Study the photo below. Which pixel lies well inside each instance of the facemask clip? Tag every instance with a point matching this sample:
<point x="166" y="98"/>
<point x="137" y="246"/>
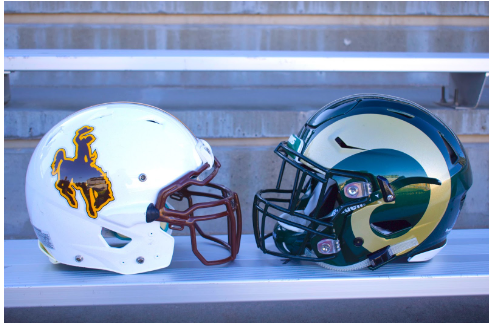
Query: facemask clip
<point x="386" y="189"/>
<point x="205" y="152"/>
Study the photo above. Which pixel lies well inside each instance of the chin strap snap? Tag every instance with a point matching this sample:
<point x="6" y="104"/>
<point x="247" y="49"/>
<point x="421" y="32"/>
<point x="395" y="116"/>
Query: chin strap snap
<point x="374" y="260"/>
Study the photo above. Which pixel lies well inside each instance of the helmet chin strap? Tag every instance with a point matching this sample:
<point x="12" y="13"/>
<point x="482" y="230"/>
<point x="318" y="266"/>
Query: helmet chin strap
<point x="357" y="266"/>
<point x="393" y="250"/>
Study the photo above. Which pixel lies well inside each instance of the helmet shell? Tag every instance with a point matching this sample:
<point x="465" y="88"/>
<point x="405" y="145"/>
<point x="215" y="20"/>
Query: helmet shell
<point x="393" y="138"/>
<point x="132" y="150"/>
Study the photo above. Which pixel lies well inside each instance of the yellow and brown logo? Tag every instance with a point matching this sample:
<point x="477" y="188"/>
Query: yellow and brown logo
<point x="81" y="173"/>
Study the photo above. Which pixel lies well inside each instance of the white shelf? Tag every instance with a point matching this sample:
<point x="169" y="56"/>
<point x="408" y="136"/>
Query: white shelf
<point x="199" y="60"/>
<point x="461" y="268"/>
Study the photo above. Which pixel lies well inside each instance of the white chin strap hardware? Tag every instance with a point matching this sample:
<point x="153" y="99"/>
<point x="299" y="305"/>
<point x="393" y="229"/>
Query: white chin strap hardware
<point x="205" y="152"/>
<point x="375" y="260"/>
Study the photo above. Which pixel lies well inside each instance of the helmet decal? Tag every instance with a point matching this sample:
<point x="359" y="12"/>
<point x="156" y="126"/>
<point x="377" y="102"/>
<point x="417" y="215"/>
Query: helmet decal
<point x="82" y="173"/>
<point x="402" y="137"/>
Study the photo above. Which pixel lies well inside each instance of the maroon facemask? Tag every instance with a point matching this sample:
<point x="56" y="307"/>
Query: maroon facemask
<point x="177" y="220"/>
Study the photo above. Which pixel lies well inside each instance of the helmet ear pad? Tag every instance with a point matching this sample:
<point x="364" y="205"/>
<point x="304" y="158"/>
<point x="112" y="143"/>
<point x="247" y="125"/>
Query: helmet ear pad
<point x="290" y="241"/>
<point x="328" y="201"/>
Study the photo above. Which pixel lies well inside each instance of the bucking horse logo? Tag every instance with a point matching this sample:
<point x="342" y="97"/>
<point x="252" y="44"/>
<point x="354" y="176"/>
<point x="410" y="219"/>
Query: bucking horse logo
<point x="82" y="173"/>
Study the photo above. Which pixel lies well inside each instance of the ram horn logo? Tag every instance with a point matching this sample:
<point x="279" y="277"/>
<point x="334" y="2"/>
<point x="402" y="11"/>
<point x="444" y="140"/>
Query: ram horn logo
<point x="82" y="173"/>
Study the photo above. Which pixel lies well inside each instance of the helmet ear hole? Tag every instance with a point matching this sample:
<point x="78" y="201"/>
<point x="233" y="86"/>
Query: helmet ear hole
<point x="389" y="228"/>
<point x="114" y="239"/>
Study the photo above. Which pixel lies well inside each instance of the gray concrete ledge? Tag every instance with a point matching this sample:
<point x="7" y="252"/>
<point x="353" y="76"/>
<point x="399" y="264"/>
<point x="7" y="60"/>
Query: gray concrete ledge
<point x="241" y="19"/>
<point x="252" y="37"/>
<point x="444" y="8"/>
<point x="237" y="113"/>
<point x="208" y="79"/>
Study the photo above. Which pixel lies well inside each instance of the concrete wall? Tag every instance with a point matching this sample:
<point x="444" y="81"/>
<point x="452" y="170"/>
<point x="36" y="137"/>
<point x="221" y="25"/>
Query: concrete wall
<point x="395" y="8"/>
<point x="243" y="140"/>
<point x="243" y="115"/>
<point x="312" y="26"/>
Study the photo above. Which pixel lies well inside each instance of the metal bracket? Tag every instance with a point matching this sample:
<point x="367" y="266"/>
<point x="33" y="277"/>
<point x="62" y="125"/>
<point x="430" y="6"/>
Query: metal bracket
<point x="6" y="87"/>
<point x="464" y="90"/>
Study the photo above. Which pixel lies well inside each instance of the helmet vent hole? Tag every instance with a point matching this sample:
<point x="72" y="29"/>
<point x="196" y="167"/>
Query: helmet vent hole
<point x="402" y="113"/>
<point x="114" y="239"/>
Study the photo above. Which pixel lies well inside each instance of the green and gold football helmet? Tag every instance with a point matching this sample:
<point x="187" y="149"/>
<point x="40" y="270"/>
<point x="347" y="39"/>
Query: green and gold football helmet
<point x="376" y="178"/>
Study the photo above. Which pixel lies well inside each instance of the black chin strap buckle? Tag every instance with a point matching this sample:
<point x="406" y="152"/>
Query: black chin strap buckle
<point x="380" y="257"/>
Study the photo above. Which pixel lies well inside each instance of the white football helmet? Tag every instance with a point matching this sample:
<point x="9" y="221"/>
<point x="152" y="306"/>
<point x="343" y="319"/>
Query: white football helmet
<point x="98" y="183"/>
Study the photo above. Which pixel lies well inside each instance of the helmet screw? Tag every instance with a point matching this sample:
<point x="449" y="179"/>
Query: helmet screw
<point x="140" y="260"/>
<point x="358" y="241"/>
<point x="78" y="258"/>
<point x="142" y="177"/>
<point x="328" y="246"/>
<point x="390" y="198"/>
<point x="353" y="190"/>
<point x="325" y="248"/>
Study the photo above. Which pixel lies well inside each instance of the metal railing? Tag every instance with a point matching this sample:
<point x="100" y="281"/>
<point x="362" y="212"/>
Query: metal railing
<point x="468" y="71"/>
